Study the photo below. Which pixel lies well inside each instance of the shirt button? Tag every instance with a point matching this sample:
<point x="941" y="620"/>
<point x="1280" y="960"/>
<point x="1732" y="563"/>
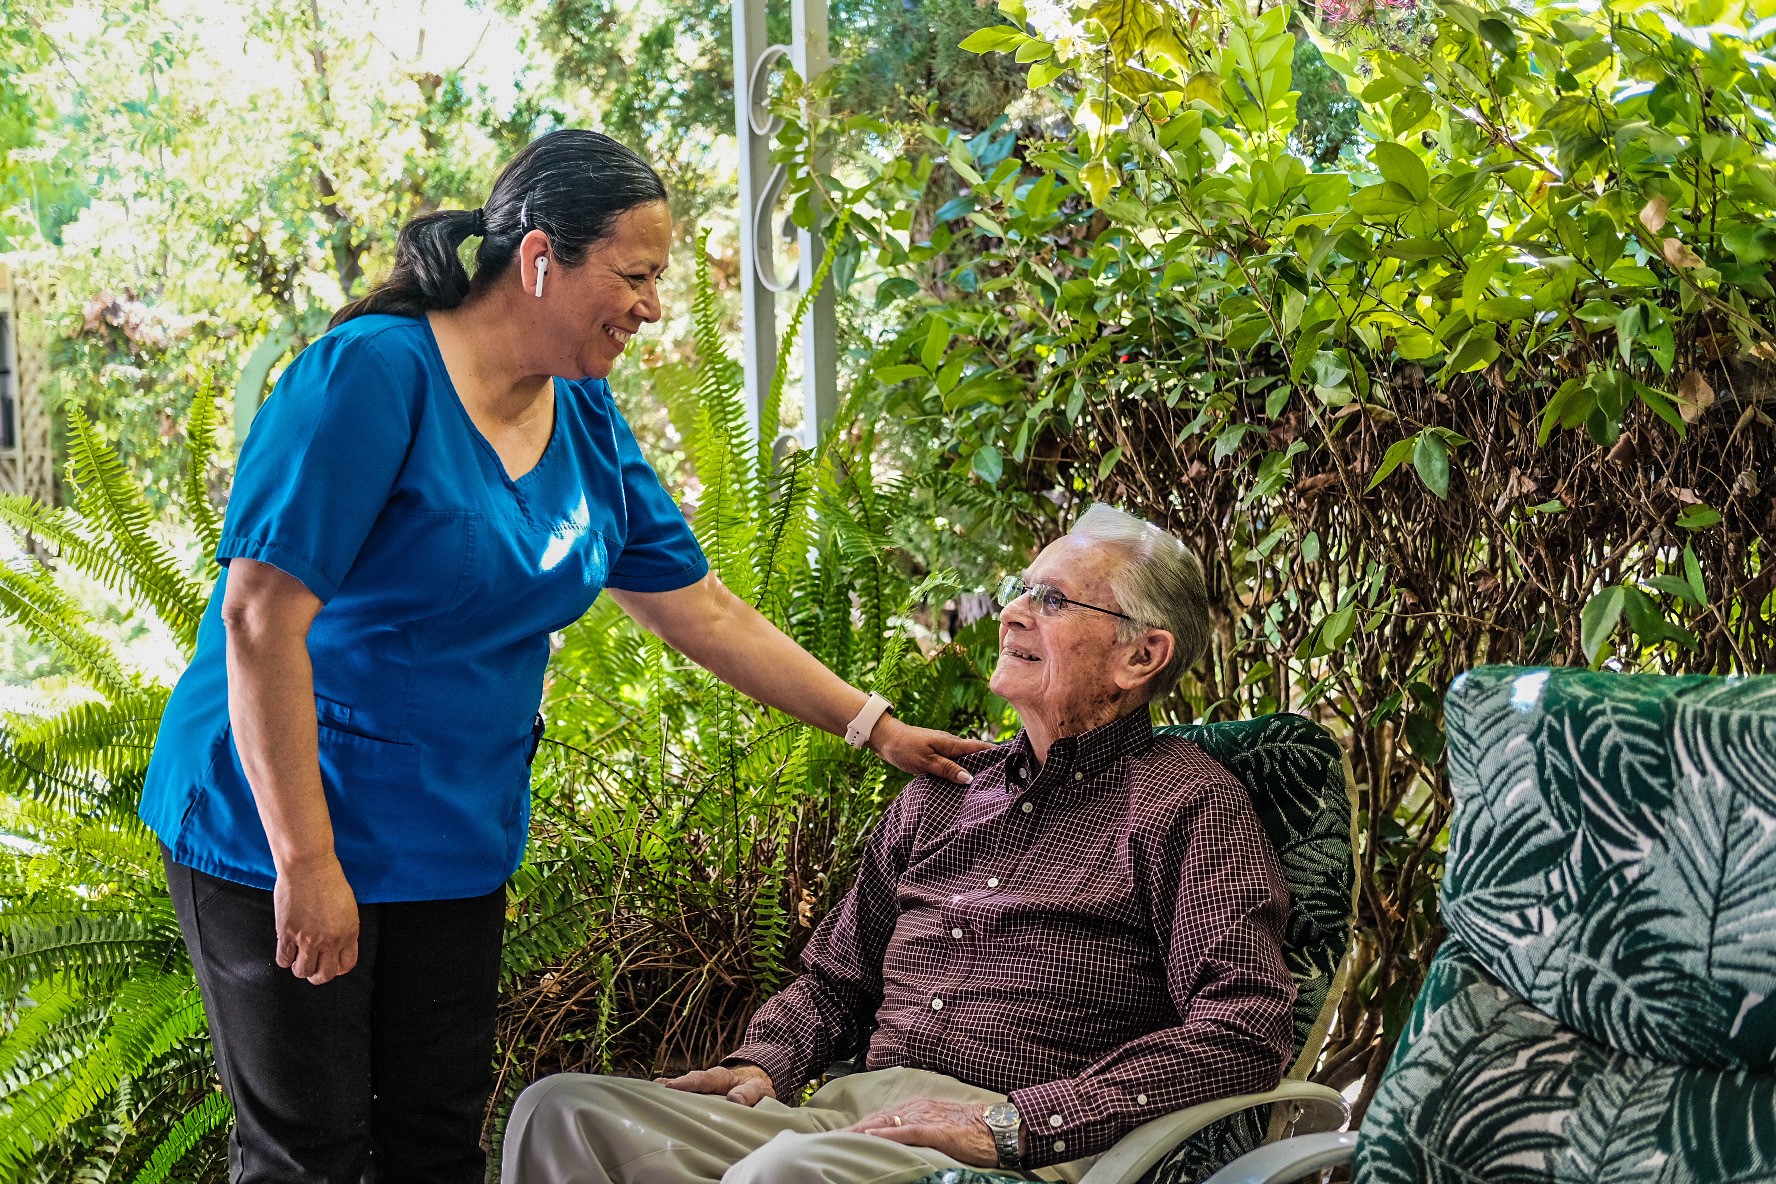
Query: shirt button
<point x="1055" y="1120"/>
<point x="937" y="1005"/>
<point x="1060" y="1144"/>
<point x="1079" y="776"/>
<point x="955" y="933"/>
<point x="1140" y="1099"/>
<point x="993" y="882"/>
<point x="1027" y="807"/>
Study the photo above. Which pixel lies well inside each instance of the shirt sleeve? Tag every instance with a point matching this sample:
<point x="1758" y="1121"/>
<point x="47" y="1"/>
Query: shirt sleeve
<point x="660" y="552"/>
<point x="1219" y="915"/>
<point x="825" y="1013"/>
<point x="319" y="464"/>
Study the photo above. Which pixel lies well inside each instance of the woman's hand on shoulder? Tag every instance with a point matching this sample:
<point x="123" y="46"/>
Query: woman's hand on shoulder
<point x="923" y="750"/>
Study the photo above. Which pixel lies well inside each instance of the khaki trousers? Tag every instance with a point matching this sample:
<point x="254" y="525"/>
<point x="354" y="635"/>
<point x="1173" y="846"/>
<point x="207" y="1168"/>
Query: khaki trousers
<point x="574" y="1128"/>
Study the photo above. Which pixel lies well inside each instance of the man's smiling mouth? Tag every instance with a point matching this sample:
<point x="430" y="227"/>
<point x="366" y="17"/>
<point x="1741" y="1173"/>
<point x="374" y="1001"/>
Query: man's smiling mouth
<point x="1021" y="655"/>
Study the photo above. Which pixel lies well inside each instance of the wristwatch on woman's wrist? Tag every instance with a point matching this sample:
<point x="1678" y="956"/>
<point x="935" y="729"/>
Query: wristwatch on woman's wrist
<point x="858" y="734"/>
<point x="1004" y="1121"/>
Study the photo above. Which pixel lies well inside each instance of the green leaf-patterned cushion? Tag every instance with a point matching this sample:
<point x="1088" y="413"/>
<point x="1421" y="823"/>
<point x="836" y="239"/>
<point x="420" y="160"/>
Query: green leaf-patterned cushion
<point x="1485" y="1087"/>
<point x="1294" y="771"/>
<point x="1612" y="855"/>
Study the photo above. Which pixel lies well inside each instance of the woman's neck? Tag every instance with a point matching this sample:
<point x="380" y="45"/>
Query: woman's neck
<point x="486" y="363"/>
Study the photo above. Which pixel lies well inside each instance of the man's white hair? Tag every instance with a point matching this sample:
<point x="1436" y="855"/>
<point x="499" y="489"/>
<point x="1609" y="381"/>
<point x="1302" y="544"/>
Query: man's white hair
<point x="1160" y="585"/>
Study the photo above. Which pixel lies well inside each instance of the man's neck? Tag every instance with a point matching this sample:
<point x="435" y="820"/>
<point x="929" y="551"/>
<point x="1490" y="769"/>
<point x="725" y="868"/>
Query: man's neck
<point x="1044" y="730"/>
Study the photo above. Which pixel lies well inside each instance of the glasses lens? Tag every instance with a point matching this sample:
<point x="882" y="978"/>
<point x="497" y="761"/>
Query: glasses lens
<point x="1010" y="588"/>
<point x="1048" y="601"/>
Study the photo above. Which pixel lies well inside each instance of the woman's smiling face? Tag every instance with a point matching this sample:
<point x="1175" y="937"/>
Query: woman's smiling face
<point x="605" y="301"/>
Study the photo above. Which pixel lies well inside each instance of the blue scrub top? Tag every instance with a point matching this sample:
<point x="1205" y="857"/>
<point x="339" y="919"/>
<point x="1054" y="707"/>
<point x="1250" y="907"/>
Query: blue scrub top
<point x="441" y="580"/>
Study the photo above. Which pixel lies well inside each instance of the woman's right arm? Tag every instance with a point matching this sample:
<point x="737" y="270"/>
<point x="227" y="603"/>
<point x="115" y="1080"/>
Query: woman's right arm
<point x="271" y="709"/>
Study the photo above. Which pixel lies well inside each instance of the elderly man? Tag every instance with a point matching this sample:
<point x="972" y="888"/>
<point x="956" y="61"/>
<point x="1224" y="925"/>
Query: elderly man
<point x="1084" y="938"/>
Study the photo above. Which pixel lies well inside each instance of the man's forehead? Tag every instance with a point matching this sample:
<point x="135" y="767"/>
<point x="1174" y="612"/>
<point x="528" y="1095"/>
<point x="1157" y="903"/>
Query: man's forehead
<point x="1071" y="560"/>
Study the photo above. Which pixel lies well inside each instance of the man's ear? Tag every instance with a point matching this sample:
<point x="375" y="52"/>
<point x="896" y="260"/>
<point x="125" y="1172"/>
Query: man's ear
<point x="1151" y="653"/>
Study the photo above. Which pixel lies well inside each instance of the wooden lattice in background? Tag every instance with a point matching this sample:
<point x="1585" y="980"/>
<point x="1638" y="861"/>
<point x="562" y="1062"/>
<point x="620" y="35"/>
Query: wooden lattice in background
<point x="29" y="466"/>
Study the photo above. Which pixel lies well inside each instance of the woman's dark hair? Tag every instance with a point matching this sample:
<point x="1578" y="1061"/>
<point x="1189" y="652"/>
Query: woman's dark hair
<point x="572" y="185"/>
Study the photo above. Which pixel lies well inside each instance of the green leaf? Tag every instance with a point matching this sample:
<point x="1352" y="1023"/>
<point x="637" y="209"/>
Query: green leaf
<point x="1399" y="164"/>
<point x="1109" y="462"/>
<point x="1043" y="73"/>
<point x="889" y="375"/>
<point x="1424" y="738"/>
<point x="1333" y="633"/>
<point x="1431" y="459"/>
<point x="937" y="340"/>
<point x="1598" y="620"/>
<point x="1499" y="35"/>
<point x="1698" y="517"/>
<point x="1395" y="456"/>
<point x="1693" y="575"/>
<point x="988" y="464"/>
<point x="994" y="40"/>
<point x="1476" y="352"/>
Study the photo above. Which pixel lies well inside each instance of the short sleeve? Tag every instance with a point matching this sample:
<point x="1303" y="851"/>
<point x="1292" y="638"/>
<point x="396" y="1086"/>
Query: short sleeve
<point x="660" y="553"/>
<point x="319" y="463"/>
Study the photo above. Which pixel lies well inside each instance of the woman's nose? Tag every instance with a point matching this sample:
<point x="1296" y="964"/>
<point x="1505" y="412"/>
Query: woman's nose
<point x="648" y="307"/>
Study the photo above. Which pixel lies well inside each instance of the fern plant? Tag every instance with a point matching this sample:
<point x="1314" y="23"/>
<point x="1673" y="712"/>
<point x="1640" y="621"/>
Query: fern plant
<point x="104" y="1066"/>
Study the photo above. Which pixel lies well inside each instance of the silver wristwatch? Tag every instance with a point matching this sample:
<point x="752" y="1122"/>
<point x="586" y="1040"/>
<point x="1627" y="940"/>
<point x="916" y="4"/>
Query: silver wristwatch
<point x="1005" y="1122"/>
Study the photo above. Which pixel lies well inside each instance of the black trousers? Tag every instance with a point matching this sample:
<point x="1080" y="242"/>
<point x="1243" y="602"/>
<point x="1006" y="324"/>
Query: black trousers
<point x="381" y="1075"/>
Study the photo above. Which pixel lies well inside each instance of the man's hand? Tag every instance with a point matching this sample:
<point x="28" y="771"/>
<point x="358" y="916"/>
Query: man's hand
<point x="745" y="1084"/>
<point x="317" y="921"/>
<point x="923" y="750"/>
<point x="958" y="1129"/>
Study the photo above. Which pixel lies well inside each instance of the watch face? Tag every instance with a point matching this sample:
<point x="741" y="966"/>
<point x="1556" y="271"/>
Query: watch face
<point x="1002" y="1116"/>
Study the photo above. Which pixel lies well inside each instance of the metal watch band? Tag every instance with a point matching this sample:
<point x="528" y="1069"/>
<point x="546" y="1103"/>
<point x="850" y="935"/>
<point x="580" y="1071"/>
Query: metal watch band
<point x="1006" y="1143"/>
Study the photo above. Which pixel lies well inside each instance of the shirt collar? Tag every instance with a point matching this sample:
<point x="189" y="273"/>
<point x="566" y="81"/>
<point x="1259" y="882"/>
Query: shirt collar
<point x="1087" y="754"/>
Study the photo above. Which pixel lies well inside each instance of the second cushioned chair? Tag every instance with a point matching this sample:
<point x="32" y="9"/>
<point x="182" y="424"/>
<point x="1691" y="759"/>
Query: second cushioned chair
<point x="1604" y="1009"/>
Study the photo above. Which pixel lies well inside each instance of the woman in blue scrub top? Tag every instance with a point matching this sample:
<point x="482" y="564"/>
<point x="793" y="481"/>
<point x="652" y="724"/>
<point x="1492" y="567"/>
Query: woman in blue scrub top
<point x="341" y="783"/>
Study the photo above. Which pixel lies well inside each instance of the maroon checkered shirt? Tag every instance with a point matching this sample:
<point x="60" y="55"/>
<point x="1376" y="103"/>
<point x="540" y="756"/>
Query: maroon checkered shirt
<point x="1102" y="942"/>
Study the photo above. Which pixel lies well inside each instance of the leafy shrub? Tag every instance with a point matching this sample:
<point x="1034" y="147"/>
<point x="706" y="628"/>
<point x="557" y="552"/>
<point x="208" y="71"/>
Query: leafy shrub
<point x="1493" y="384"/>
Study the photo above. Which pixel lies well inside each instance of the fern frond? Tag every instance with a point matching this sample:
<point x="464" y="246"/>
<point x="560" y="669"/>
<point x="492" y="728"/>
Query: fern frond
<point x="112" y="500"/>
<point x="91" y="754"/>
<point x="210" y="1115"/>
<point x="200" y="442"/>
<point x="29" y="597"/>
<point x="98" y="947"/>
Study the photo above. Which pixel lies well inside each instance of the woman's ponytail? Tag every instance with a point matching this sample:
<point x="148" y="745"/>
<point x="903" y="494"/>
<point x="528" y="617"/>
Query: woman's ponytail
<point x="428" y="272"/>
<point x="571" y="184"/>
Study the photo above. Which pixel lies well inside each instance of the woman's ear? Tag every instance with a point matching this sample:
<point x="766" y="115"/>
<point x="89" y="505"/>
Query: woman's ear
<point x="1151" y="653"/>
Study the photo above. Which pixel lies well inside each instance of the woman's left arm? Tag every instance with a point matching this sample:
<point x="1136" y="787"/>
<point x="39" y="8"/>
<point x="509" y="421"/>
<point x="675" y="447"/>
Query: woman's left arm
<point x="733" y="641"/>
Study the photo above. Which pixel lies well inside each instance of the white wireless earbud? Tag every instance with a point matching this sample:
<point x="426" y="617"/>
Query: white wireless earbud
<point x="542" y="270"/>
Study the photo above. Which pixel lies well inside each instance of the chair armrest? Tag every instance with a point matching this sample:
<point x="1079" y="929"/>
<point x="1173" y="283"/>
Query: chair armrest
<point x="1320" y="1109"/>
<point x="1289" y="1160"/>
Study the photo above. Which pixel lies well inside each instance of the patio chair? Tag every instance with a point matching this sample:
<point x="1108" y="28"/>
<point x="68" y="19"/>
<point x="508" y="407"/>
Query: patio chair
<point x="1604" y="1009"/>
<point x="1300" y="782"/>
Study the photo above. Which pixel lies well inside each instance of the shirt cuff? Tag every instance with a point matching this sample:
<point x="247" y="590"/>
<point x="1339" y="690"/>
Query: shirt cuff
<point x="1054" y="1121"/>
<point x="285" y="560"/>
<point x="778" y="1063"/>
<point x="670" y="581"/>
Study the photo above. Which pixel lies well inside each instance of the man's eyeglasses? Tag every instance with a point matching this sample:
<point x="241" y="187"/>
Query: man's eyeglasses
<point x="1046" y="598"/>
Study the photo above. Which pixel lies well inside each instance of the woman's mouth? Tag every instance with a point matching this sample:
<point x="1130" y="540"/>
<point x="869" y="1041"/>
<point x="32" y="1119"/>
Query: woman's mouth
<point x="620" y="336"/>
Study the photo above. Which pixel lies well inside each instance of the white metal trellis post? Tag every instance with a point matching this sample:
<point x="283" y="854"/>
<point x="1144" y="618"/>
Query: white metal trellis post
<point x="760" y="185"/>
